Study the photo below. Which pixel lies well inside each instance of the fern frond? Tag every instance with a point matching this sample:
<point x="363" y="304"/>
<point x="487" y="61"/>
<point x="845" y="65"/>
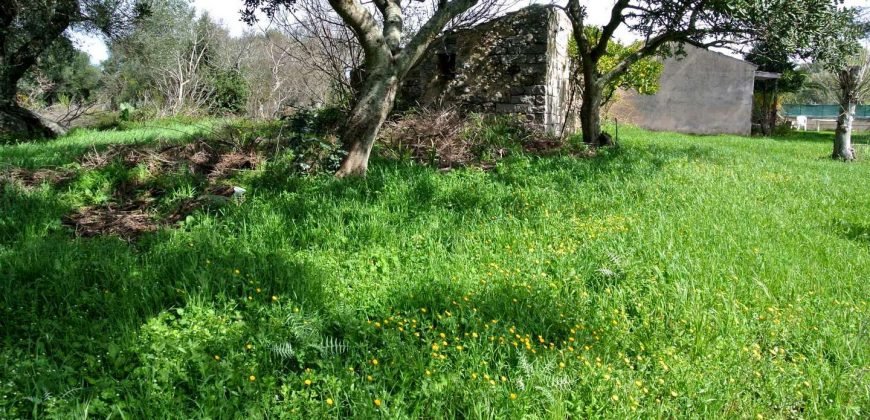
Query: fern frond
<point x="284" y="350"/>
<point x="332" y="346"/>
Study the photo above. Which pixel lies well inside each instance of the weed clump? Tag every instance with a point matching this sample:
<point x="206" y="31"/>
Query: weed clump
<point x="446" y="138"/>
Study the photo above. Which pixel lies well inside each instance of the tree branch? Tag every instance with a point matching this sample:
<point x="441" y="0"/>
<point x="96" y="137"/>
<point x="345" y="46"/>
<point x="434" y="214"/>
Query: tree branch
<point x="362" y="23"/>
<point x="609" y="29"/>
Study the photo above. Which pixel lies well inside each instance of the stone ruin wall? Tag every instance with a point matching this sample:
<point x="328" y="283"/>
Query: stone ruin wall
<point x="558" y="115"/>
<point x="517" y="64"/>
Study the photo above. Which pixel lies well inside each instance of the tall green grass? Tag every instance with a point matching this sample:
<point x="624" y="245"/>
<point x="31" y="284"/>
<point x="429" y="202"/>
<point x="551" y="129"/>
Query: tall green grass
<point x="674" y="276"/>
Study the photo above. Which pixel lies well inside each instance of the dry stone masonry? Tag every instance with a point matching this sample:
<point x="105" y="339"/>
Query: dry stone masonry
<point x="516" y="64"/>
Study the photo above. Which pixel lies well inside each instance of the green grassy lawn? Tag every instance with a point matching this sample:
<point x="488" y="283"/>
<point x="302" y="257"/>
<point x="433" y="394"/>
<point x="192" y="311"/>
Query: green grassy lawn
<point x="674" y="276"/>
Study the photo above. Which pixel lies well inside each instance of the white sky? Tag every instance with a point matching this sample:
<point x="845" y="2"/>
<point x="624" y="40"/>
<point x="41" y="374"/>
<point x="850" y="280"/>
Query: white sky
<point x="227" y="12"/>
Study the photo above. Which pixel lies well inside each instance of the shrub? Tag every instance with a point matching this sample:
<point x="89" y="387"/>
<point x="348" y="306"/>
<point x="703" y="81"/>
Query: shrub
<point x="230" y="92"/>
<point x="319" y="121"/>
<point x="303" y="146"/>
<point x="783" y="129"/>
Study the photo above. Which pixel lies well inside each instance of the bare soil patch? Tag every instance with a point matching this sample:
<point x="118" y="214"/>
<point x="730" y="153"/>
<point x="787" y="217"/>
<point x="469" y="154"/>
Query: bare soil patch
<point x="133" y="209"/>
<point x="212" y="159"/>
<point x="30" y="179"/>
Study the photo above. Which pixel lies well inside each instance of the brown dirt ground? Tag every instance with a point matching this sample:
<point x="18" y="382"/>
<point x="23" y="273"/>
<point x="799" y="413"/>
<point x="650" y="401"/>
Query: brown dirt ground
<point x="132" y="211"/>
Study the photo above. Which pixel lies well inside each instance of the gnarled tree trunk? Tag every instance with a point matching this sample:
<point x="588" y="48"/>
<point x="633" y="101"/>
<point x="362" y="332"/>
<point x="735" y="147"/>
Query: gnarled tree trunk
<point x="18" y="122"/>
<point x="843" y="137"/>
<point x="849" y="80"/>
<point x="374" y="104"/>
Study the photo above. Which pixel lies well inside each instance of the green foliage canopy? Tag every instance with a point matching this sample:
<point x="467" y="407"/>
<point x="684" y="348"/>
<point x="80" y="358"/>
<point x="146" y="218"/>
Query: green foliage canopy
<point x="62" y="71"/>
<point x="642" y="76"/>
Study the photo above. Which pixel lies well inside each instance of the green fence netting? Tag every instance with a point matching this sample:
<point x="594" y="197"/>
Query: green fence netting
<point x="822" y="111"/>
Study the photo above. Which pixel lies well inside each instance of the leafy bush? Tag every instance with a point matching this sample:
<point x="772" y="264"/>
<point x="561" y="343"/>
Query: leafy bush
<point x="230" y="92"/>
<point x="783" y="129"/>
<point x="319" y="121"/>
<point x="126" y="110"/>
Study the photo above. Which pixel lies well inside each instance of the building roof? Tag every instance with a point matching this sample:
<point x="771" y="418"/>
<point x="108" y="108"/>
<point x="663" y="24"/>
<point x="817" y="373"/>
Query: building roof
<point x="766" y="75"/>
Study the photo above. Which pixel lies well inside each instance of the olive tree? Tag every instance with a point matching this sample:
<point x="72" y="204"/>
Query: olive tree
<point x="28" y="28"/>
<point x="852" y="86"/>
<point x="392" y="44"/>
<point x="802" y="28"/>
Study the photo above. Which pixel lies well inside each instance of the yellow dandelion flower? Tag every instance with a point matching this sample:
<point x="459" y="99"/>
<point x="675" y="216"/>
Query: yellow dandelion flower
<point x="329" y="401"/>
<point x="370" y="378"/>
<point x="614" y="397"/>
<point x="377" y="402"/>
<point x="218" y="358"/>
<point x="375" y="362"/>
<point x="274" y="298"/>
<point x="308" y="382"/>
<point x="674" y="393"/>
<point x="249" y="346"/>
<point x="513" y="396"/>
<point x="252" y="378"/>
<point x="236" y="272"/>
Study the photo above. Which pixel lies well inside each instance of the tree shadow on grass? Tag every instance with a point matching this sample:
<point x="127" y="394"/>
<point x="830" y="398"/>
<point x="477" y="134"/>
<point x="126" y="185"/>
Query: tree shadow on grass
<point x="858" y="137"/>
<point x="854" y="231"/>
<point x="32" y="155"/>
<point x="466" y="191"/>
<point x="68" y="301"/>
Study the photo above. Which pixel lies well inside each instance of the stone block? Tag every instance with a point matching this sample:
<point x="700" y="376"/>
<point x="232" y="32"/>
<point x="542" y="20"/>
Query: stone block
<point x="536" y="90"/>
<point x="513" y="108"/>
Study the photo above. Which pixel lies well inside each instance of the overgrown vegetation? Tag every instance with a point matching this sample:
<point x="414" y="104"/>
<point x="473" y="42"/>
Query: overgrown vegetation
<point x="672" y="276"/>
